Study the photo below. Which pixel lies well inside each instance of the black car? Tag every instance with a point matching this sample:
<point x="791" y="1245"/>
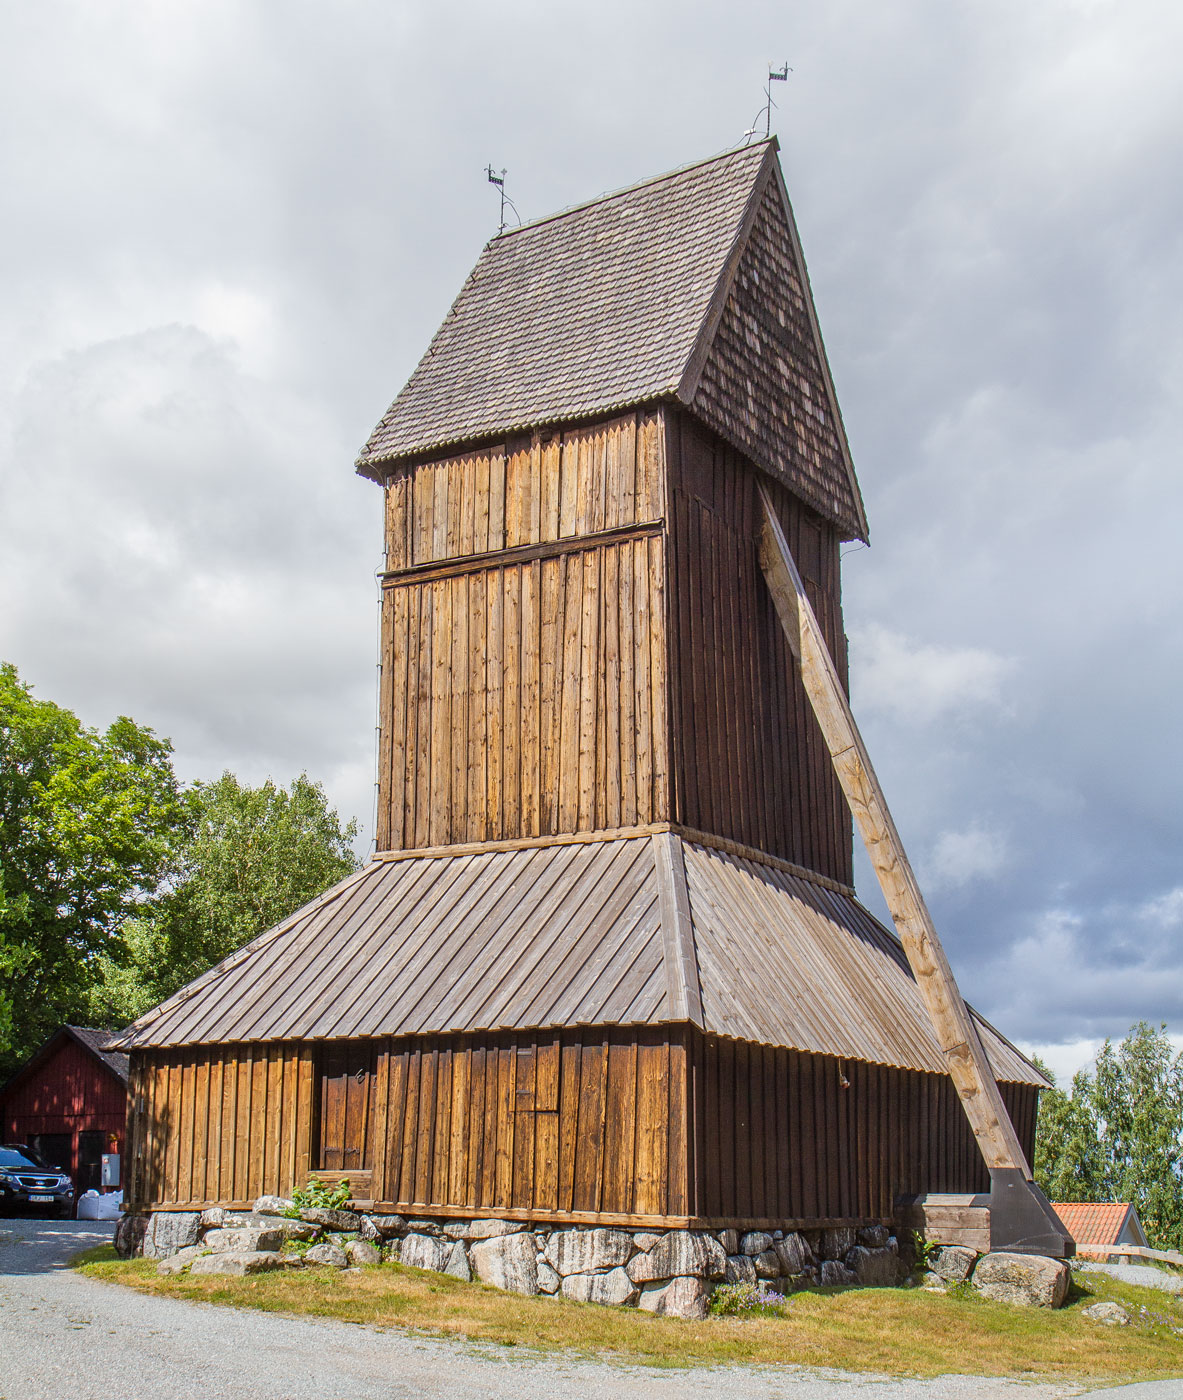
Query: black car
<point x="28" y="1182"/>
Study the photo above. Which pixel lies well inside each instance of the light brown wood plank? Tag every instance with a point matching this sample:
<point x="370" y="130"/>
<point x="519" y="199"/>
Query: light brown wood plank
<point x="460" y="724"/>
<point x="955" y="1031"/>
<point x="651" y="1172"/>
<point x="531" y="753"/>
<point x="620" y="1122"/>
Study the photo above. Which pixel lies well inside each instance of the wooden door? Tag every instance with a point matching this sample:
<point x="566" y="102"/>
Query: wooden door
<point x="344" y="1134"/>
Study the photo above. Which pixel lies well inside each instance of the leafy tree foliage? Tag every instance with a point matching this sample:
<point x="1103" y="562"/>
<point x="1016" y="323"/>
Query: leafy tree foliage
<point x="87" y="825"/>
<point x="1118" y="1135"/>
<point x="116" y="885"/>
<point x="248" y="858"/>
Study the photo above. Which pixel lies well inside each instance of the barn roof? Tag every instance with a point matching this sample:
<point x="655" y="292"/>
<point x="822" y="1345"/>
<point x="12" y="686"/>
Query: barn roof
<point x="1098" y="1222"/>
<point x="94" y="1041"/>
<point x="636" y="930"/>
<point x="688" y="287"/>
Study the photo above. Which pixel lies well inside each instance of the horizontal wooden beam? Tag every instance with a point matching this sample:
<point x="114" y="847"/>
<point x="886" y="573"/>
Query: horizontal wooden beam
<point x="1135" y="1251"/>
<point x="520" y="554"/>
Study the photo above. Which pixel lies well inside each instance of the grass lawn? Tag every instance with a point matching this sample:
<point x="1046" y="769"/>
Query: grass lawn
<point x="889" y="1330"/>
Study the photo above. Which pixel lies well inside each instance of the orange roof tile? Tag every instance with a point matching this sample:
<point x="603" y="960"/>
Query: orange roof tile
<point x="1093" y="1222"/>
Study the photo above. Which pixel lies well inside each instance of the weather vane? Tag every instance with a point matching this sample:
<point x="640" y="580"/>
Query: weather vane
<point x="499" y="181"/>
<point x="775" y="75"/>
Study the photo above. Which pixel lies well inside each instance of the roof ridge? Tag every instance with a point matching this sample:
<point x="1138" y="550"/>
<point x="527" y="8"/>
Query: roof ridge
<point x="609" y="195"/>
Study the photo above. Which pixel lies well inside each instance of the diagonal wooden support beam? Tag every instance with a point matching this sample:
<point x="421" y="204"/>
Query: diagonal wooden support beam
<point x="956" y="1033"/>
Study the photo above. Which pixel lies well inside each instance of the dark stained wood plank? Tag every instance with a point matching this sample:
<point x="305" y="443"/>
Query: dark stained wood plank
<point x="504" y="1117"/>
<point x="425" y="1144"/>
<point x="570" y="1056"/>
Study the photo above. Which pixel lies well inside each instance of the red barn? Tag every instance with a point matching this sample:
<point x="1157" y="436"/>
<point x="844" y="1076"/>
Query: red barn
<point x="69" y="1101"/>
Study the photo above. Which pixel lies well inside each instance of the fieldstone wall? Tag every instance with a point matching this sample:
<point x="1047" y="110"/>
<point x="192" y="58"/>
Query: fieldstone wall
<point x="668" y="1272"/>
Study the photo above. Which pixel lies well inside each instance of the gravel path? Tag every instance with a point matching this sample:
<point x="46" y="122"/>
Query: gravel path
<point x="64" y="1337"/>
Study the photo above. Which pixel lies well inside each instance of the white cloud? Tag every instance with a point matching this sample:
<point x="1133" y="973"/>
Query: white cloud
<point x="960" y="858"/>
<point x="1066" y="1058"/>
<point x="918" y="682"/>
<point x="1165" y="910"/>
<point x="196" y="566"/>
<point x="227" y="245"/>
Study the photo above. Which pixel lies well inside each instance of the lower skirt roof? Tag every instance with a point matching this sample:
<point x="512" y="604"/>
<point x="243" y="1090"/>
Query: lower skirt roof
<point x="638" y="929"/>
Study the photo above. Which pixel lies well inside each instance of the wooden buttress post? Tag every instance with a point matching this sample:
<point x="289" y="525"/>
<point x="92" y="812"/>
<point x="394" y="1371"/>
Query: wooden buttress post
<point x="956" y="1033"/>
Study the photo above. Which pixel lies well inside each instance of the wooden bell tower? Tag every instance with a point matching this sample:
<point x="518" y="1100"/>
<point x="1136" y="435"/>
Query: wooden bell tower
<point x="607" y="965"/>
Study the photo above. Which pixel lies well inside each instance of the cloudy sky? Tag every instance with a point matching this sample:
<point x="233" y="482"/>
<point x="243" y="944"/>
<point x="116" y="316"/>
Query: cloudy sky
<point x="231" y="227"/>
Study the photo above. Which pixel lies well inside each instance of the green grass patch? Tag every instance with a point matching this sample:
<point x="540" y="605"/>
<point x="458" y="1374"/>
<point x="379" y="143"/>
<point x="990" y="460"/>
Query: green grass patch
<point x="97" y="1254"/>
<point x="893" y="1331"/>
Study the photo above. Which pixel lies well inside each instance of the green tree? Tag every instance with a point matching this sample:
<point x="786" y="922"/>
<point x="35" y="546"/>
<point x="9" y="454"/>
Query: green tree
<point x="1138" y="1096"/>
<point x="87" y="824"/>
<point x="1118" y="1136"/>
<point x="1068" y="1157"/>
<point x="248" y="858"/>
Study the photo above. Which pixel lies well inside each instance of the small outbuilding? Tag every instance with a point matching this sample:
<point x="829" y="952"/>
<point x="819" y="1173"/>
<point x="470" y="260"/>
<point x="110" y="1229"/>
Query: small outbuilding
<point x="1097" y="1225"/>
<point x="69" y="1101"/>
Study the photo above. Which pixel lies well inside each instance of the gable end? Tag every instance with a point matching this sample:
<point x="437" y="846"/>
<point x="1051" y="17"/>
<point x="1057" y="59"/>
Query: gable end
<point x="763" y="383"/>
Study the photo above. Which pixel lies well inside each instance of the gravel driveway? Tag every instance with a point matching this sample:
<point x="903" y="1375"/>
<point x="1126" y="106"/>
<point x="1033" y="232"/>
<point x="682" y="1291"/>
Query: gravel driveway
<point x="69" y="1338"/>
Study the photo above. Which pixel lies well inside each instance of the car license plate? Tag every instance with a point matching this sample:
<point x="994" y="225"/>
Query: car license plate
<point x="40" y="1199"/>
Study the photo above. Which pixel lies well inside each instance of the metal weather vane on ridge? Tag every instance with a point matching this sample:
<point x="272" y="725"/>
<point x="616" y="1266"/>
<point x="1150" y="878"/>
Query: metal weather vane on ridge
<point x="499" y="181"/>
<point x="775" y="75"/>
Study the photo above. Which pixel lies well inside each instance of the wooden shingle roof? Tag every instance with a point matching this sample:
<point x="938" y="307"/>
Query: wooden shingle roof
<point x="633" y="930"/>
<point x="690" y="287"/>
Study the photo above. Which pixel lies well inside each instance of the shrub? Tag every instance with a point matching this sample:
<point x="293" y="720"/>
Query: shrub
<point x="317" y="1195"/>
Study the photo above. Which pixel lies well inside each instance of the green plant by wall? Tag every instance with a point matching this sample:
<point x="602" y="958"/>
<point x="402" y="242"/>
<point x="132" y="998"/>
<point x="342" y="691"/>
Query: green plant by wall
<point x="318" y="1195"/>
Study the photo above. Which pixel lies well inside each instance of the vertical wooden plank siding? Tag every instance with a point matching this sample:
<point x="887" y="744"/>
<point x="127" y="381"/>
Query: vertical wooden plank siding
<point x="748" y="761"/>
<point x="838" y="1153"/>
<point x="537" y="1121"/>
<point x="526" y="698"/>
<point x="218" y="1124"/>
<point x="515" y="720"/>
<point x="651" y="1122"/>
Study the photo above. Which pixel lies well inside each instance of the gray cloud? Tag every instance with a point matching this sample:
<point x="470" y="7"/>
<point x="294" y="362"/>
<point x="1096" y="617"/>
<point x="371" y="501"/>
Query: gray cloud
<point x="233" y="226"/>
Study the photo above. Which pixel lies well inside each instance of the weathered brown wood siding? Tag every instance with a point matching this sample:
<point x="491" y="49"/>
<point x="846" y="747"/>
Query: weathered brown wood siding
<point x="580" y="1123"/>
<point x="218" y="1123"/>
<point x="523" y="653"/>
<point x="571" y="1123"/>
<point x="749" y="762"/>
<point x="777" y="1135"/>
<point x="658" y="1125"/>
<point x="541" y="675"/>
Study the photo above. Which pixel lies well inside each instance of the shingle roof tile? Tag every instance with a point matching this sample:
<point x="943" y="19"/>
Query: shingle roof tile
<point x="616" y="303"/>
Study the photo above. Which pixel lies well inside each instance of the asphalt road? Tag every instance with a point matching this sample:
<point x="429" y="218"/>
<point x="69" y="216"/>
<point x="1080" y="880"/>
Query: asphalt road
<point x="63" y="1337"/>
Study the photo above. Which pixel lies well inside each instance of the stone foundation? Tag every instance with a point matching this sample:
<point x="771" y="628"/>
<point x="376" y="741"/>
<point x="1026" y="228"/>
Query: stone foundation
<point x="668" y="1272"/>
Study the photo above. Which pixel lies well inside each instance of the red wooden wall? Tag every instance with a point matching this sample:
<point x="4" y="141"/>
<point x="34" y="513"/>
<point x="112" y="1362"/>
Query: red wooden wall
<point x="67" y="1093"/>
